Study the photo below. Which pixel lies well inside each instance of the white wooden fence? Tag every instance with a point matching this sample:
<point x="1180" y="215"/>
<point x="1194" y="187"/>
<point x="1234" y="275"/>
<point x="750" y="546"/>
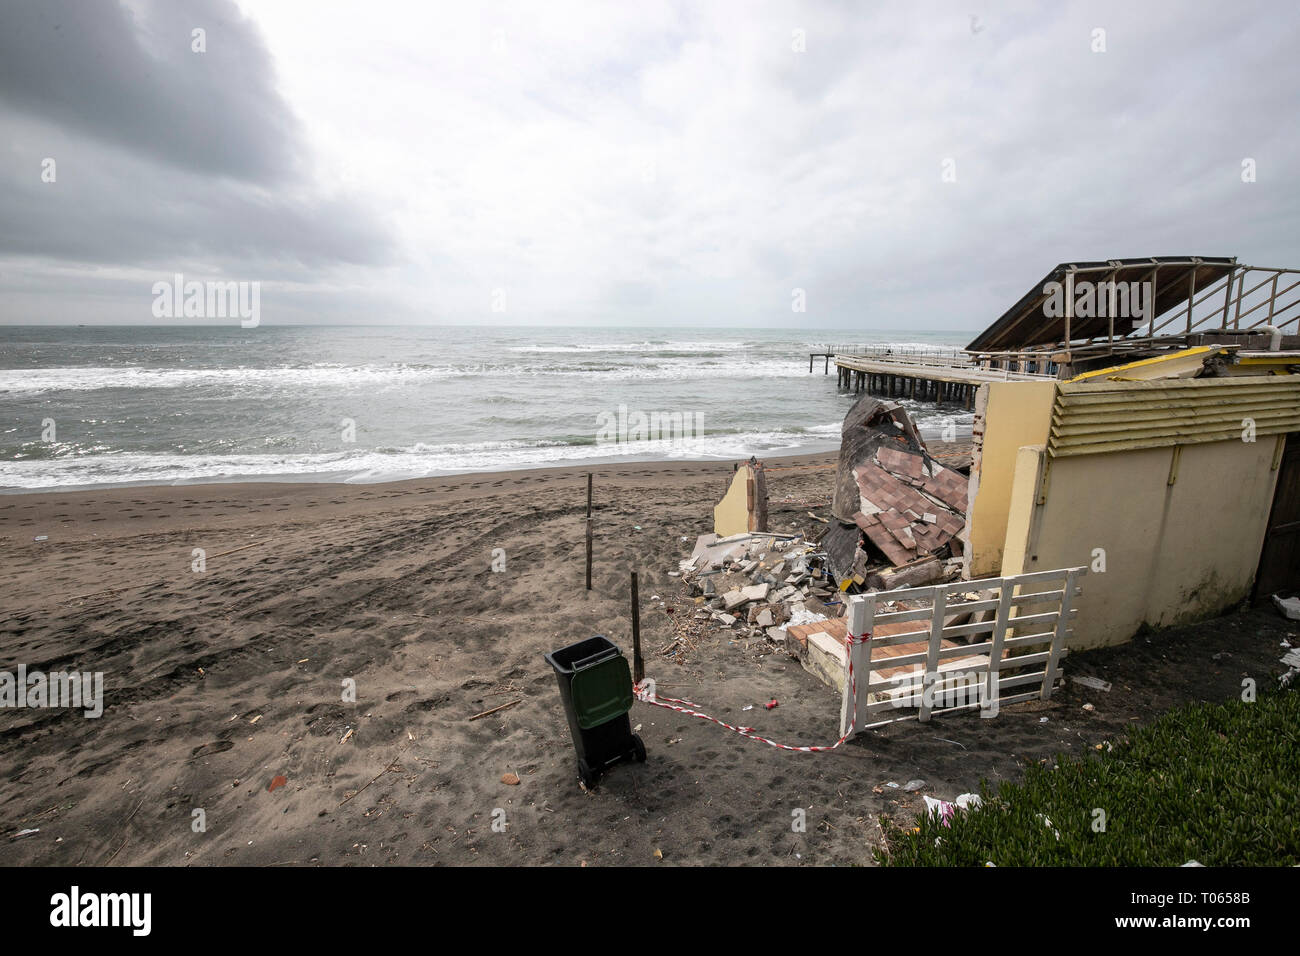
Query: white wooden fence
<point x="1022" y="648"/>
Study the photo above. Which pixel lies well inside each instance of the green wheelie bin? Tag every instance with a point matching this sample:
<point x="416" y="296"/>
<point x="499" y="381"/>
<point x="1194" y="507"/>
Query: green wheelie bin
<point x="596" y="687"/>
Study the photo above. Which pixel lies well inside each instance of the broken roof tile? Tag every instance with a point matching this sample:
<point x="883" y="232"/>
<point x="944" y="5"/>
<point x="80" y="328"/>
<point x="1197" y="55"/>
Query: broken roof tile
<point x="883" y="490"/>
<point x="880" y="536"/>
<point x="949" y="487"/>
<point x="902" y="463"/>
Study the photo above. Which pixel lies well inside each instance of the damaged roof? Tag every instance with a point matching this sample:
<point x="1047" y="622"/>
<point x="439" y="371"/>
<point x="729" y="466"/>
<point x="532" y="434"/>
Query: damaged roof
<point x="905" y="501"/>
<point x="1025" y="325"/>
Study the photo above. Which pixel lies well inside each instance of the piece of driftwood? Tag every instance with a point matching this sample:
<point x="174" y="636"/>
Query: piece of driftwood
<point x="222" y="554"/>
<point x="376" y="776"/>
<point x="588" y="531"/>
<point x="495" y="709"/>
<point x="924" y="570"/>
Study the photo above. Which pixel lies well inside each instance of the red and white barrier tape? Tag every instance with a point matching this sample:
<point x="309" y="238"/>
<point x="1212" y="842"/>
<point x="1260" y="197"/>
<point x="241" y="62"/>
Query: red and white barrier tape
<point x="688" y="708"/>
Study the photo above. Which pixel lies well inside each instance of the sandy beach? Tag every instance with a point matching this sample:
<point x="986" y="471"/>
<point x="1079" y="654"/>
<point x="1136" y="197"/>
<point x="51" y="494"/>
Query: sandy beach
<point x="218" y="682"/>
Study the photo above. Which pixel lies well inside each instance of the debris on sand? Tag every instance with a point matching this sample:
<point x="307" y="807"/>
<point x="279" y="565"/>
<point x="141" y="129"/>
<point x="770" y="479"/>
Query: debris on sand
<point x="1094" y="683"/>
<point x="897" y="517"/>
<point x="757" y="584"/>
<point x="1290" y="607"/>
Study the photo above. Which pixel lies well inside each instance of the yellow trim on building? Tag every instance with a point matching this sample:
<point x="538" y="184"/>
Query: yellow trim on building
<point x="1184" y="361"/>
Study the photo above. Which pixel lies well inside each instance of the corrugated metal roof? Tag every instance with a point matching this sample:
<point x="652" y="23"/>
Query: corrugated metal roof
<point x="1025" y="325"/>
<point x="1096" y="417"/>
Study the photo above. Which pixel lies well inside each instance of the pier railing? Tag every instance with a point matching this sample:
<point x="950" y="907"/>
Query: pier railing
<point x="895" y="351"/>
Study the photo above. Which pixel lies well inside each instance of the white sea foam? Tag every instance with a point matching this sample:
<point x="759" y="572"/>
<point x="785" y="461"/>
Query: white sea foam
<point x="416" y="461"/>
<point x="19" y="382"/>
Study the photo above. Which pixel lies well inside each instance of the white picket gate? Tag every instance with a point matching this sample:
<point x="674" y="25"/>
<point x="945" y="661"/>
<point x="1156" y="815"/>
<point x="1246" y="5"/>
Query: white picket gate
<point x="943" y="678"/>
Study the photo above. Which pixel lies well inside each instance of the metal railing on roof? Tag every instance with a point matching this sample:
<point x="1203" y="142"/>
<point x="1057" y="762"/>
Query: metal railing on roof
<point x="1247" y="299"/>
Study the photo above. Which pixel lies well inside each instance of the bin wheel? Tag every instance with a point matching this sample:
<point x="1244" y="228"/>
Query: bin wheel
<point x="587" y="775"/>
<point x="638" y="749"/>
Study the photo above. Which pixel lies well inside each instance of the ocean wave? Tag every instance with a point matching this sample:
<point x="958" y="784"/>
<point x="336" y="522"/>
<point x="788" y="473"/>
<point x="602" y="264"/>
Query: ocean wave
<point x="24" y="382"/>
<point x="419" y="460"/>
<point x="648" y="347"/>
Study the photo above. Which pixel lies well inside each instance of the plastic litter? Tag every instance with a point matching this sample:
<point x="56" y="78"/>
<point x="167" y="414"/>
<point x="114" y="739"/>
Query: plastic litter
<point x="1290" y="607"/>
<point x="945" y="810"/>
<point x="1096" y="683"/>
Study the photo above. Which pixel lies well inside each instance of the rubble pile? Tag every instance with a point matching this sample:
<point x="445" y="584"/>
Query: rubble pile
<point x="897" y="520"/>
<point x="757" y="583"/>
<point x="897" y="515"/>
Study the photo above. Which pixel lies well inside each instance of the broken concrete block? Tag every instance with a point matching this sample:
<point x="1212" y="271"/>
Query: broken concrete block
<point x="726" y="619"/>
<point x="733" y="599"/>
<point x="756" y="592"/>
<point x="765" y="618"/>
<point x="702" y="544"/>
<point x="826" y="659"/>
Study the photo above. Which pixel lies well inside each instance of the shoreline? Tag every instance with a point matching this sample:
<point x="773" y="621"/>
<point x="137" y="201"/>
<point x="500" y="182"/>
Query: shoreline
<point x="259" y="483"/>
<point x="350" y="477"/>
<point x="90" y="513"/>
<point x="308" y="479"/>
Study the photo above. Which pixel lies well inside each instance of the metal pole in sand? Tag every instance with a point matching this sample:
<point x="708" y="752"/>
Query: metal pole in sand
<point x="588" y="531"/>
<point x="638" y="665"/>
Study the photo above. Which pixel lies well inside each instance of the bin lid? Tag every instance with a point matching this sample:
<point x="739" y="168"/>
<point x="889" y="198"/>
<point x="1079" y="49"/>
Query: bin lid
<point x="602" y="692"/>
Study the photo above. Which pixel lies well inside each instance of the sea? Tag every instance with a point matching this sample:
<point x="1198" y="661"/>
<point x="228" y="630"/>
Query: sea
<point x="97" y="405"/>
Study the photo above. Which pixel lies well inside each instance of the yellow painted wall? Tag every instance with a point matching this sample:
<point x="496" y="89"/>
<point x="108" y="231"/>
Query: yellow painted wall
<point x="731" y="514"/>
<point x="1014" y="414"/>
<point x="1174" y="553"/>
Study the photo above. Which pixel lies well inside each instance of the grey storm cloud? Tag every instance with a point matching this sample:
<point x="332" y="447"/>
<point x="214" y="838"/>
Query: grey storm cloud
<point x="163" y="156"/>
<point x="96" y="67"/>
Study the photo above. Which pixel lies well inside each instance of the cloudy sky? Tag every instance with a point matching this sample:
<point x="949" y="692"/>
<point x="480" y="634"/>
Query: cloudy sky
<point x="631" y="163"/>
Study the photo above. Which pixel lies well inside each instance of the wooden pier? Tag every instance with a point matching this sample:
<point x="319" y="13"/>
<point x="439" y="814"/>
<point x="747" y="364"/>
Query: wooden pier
<point x="906" y="352"/>
<point x="941" y="379"/>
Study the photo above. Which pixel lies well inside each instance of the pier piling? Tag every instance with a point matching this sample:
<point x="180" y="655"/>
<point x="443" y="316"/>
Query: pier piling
<point x="939" y="378"/>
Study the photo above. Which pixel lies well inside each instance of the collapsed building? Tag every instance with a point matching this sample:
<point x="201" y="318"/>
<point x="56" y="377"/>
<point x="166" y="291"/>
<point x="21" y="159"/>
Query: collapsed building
<point x="896" y="517"/>
<point x="1148" y="438"/>
<point x="1137" y="417"/>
